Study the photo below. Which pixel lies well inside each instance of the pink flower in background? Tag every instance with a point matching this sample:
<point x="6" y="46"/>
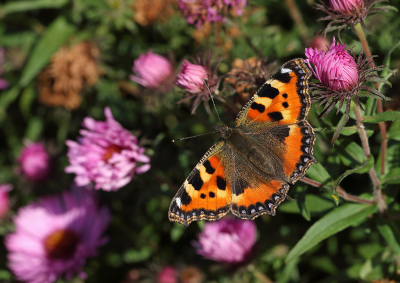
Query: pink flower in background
<point x="54" y="236"/>
<point x="191" y="78"/>
<point x="345" y="6"/>
<point x="198" y="12"/>
<point x="320" y="43"/>
<point x="4" y="199"/>
<point x="167" y="275"/>
<point x="106" y="154"/>
<point x="3" y="82"/>
<point x="35" y="162"/>
<point x="228" y="240"/>
<point x="335" y="69"/>
<point x="152" y="70"/>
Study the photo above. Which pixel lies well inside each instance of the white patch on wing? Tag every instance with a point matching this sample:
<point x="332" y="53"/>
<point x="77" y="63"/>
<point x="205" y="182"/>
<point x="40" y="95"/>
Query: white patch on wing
<point x="178" y="202"/>
<point x="285" y="70"/>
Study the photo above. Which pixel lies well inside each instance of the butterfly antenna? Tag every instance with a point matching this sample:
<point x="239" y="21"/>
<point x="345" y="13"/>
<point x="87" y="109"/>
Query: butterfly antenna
<point x="194" y="136"/>
<point x="205" y="81"/>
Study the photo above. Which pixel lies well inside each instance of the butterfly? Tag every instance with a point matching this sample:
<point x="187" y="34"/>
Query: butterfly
<point x="248" y="171"/>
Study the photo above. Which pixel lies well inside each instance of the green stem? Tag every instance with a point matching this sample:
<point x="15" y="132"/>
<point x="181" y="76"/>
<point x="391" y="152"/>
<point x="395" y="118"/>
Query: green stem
<point x="258" y="274"/>
<point x="382" y="126"/>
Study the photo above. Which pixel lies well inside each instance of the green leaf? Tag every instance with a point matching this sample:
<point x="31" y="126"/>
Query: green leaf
<point x="379" y="80"/>
<point x="318" y="173"/>
<point x="300" y="196"/>
<point x="5" y="99"/>
<point x="335" y="221"/>
<point x="352" y="155"/>
<point x="177" y="232"/>
<point x="394" y="131"/>
<point x="382" y="117"/>
<point x="26" y="100"/>
<point x="370" y="106"/>
<point x="393" y="177"/>
<point x="388" y="58"/>
<point x="316" y="205"/>
<point x="34" y="128"/>
<point x="358" y="170"/>
<point x="55" y="35"/>
<point x="391" y="235"/>
<point x="23" y="6"/>
<point x="339" y="127"/>
<point x="132" y="255"/>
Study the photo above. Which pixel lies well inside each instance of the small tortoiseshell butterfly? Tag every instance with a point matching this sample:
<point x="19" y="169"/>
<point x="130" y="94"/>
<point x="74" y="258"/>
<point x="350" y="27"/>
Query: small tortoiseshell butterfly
<point x="249" y="169"/>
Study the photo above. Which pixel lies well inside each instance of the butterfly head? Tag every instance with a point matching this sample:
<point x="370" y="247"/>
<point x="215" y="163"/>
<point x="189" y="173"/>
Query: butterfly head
<point x="223" y="131"/>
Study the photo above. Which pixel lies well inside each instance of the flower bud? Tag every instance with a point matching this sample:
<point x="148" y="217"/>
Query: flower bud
<point x="346" y="6"/>
<point x="191" y="78"/>
<point x="335" y="69"/>
<point x="151" y="70"/>
<point x="35" y="162"/>
<point x="4" y="199"/>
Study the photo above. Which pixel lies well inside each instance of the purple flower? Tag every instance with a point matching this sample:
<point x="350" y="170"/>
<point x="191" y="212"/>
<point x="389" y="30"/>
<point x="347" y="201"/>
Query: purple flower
<point x="335" y="69"/>
<point x="167" y="275"/>
<point x="54" y="236"/>
<point x="35" y="162"/>
<point x="199" y="12"/>
<point x="3" y="82"/>
<point x="346" y="6"/>
<point x="106" y="154"/>
<point x="152" y="70"/>
<point x="191" y="78"/>
<point x="4" y="199"/>
<point x="228" y="241"/>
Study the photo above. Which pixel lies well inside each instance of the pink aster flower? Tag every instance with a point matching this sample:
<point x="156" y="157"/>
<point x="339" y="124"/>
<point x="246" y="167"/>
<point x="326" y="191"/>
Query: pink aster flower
<point x="54" y="236"/>
<point x="167" y="275"/>
<point x="198" y="12"/>
<point x="336" y="68"/>
<point x="3" y="82"/>
<point x="106" y="154"/>
<point x="35" y="162"/>
<point x="191" y="78"/>
<point x="346" y="6"/>
<point x="229" y="240"/>
<point x="4" y="199"/>
<point x="152" y="70"/>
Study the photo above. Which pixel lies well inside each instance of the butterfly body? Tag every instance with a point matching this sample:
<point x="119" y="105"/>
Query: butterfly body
<point x="248" y="171"/>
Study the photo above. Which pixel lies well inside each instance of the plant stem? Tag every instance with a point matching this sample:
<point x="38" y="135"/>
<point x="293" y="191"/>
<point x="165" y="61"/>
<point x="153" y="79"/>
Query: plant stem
<point x="342" y="193"/>
<point x="382" y="126"/>
<point x="298" y="20"/>
<point x="372" y="173"/>
<point x="258" y="274"/>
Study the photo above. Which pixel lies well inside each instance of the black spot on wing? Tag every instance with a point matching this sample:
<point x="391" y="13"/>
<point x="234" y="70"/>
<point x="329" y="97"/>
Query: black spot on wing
<point x="240" y="186"/>
<point x="185" y="198"/>
<point x="275" y="116"/>
<point x="221" y="183"/>
<point x="282" y="77"/>
<point x="284" y="95"/>
<point x="281" y="133"/>
<point x="259" y="107"/>
<point x="209" y="169"/>
<point x="285" y="104"/>
<point x="268" y="91"/>
<point x="203" y="196"/>
<point x="196" y="181"/>
<point x="211" y="194"/>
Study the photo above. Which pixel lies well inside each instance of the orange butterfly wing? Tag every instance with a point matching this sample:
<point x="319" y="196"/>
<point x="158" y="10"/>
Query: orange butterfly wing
<point x="206" y="193"/>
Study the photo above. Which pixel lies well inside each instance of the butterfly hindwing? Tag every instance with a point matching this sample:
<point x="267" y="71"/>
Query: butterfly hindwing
<point x="282" y="100"/>
<point x="206" y="193"/>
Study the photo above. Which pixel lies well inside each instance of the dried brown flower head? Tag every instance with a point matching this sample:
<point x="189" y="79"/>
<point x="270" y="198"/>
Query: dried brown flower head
<point x="248" y="75"/>
<point x="149" y="11"/>
<point x="70" y="70"/>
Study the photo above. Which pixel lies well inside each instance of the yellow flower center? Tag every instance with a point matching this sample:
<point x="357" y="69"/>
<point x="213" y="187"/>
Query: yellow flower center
<point x="61" y="244"/>
<point x="110" y="150"/>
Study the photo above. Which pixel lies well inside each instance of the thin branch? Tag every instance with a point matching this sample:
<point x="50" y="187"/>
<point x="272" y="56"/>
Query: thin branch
<point x="382" y="126"/>
<point x="298" y="19"/>
<point x="341" y="192"/>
